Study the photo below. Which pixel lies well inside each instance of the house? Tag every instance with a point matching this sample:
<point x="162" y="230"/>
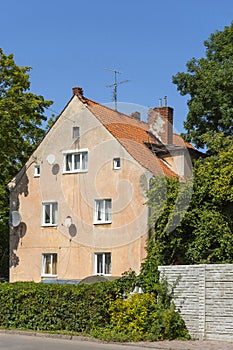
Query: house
<point x="78" y="205"/>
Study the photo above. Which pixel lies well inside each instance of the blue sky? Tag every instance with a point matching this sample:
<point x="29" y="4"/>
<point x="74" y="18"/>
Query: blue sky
<point x="71" y="43"/>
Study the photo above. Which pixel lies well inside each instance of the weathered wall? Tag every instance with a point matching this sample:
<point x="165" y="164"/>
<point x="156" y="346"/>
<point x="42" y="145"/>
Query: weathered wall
<point x="204" y="297"/>
<point x="75" y="194"/>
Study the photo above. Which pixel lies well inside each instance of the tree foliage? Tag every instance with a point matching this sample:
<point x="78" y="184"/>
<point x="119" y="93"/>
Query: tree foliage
<point x="209" y="83"/>
<point x="21" y="128"/>
<point x="205" y="232"/>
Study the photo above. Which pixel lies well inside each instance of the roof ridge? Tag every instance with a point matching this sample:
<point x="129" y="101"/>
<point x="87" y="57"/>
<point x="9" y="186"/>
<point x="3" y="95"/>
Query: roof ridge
<point x="117" y="112"/>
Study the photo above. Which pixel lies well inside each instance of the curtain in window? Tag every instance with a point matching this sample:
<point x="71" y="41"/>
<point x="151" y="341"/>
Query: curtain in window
<point x="99" y="210"/>
<point x="48" y="264"/>
<point x="107" y="267"/>
<point x="77" y="161"/>
<point x="54" y="264"/>
<point x="108" y="210"/>
<point x="47" y="214"/>
<point x="54" y="213"/>
<point x="68" y="162"/>
<point x="99" y="263"/>
<point x="84" y="161"/>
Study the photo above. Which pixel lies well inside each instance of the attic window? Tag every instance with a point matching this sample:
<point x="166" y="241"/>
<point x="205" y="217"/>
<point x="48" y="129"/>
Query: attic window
<point x="116" y="163"/>
<point x="76" y="132"/>
<point x="36" y="171"/>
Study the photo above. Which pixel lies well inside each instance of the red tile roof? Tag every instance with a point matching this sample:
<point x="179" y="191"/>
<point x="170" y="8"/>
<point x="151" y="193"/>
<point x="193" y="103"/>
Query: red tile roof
<point x="179" y="141"/>
<point x="133" y="135"/>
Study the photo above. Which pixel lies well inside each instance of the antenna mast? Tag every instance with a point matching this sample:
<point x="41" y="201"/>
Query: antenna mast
<point x="115" y="84"/>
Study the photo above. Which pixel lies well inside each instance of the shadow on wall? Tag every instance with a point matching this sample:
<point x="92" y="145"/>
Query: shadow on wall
<point x="18" y="228"/>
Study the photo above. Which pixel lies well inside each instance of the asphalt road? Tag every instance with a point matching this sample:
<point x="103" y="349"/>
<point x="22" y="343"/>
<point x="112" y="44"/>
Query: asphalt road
<point x="25" y="342"/>
<point x="29" y="341"/>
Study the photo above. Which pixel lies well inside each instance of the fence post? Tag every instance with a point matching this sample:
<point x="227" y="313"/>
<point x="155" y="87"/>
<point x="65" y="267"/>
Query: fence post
<point x="202" y="302"/>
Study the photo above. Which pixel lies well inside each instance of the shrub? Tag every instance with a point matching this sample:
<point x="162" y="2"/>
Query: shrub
<point x="99" y="310"/>
<point x="54" y="307"/>
<point x="140" y="318"/>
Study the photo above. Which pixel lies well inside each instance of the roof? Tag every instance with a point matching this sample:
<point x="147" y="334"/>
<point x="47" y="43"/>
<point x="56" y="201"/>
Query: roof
<point x="133" y="135"/>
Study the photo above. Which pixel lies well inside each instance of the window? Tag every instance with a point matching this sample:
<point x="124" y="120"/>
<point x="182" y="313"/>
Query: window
<point x="76" y="132"/>
<point x="103" y="211"/>
<point x="103" y="263"/>
<point x="49" y="264"/>
<point x="49" y="214"/>
<point x="75" y="162"/>
<point x="36" y="171"/>
<point x="116" y="163"/>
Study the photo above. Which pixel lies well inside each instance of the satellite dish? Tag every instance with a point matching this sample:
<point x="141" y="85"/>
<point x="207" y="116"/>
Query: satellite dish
<point x="68" y="221"/>
<point x="15" y="218"/>
<point x="55" y="169"/>
<point x="50" y="159"/>
<point x="72" y="230"/>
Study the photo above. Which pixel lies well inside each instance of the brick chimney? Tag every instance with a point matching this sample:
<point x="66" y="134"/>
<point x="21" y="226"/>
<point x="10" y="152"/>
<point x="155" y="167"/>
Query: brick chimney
<point x="136" y="115"/>
<point x="78" y="91"/>
<point x="161" y="124"/>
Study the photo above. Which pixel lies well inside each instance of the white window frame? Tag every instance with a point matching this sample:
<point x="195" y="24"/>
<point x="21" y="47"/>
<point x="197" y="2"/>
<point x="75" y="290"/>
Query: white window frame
<point x="51" y="265"/>
<point x="52" y="212"/>
<point x="116" y="163"/>
<point x="101" y="263"/>
<point x="72" y="162"/>
<point x="37" y="170"/>
<point x="103" y="211"/>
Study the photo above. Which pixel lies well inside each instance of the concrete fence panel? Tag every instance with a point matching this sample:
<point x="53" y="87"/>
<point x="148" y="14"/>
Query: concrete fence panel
<point x="203" y="295"/>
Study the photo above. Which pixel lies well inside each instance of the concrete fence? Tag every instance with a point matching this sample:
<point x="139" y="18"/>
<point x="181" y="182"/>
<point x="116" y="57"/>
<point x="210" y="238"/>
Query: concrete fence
<point x="204" y="297"/>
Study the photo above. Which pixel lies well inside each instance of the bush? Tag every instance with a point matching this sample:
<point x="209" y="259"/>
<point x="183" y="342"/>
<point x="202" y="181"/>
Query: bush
<point x="140" y="318"/>
<point x="54" y="307"/>
<point x="99" y="310"/>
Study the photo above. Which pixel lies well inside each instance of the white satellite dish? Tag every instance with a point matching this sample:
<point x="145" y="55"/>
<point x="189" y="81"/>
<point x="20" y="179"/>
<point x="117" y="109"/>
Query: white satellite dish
<point x="15" y="218"/>
<point x="68" y="221"/>
<point x="51" y="159"/>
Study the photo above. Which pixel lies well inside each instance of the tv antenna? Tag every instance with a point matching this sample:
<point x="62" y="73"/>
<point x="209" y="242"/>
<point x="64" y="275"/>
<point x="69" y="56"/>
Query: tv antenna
<point x="115" y="84"/>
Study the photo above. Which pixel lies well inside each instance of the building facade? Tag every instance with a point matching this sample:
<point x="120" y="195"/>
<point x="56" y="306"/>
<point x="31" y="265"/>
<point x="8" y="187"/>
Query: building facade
<point x="78" y="206"/>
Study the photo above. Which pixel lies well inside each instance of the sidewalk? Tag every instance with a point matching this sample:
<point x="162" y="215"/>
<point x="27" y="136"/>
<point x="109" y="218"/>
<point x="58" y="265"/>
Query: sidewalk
<point x="187" y="345"/>
<point x="159" y="345"/>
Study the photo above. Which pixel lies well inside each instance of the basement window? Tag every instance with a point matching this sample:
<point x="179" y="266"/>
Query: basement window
<point x="49" y="265"/>
<point x="103" y="262"/>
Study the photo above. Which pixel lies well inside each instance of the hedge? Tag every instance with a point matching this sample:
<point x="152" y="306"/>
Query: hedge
<point x="97" y="310"/>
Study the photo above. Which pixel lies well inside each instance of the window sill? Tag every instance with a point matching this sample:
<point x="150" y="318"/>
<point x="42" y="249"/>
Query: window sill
<point x="75" y="172"/>
<point x="49" y="225"/>
<point x="102" y="222"/>
<point x="49" y="276"/>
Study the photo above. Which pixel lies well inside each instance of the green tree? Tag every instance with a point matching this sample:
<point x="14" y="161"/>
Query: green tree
<point x="209" y="84"/>
<point x="204" y="233"/>
<point x="21" y="128"/>
<point x="210" y="216"/>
